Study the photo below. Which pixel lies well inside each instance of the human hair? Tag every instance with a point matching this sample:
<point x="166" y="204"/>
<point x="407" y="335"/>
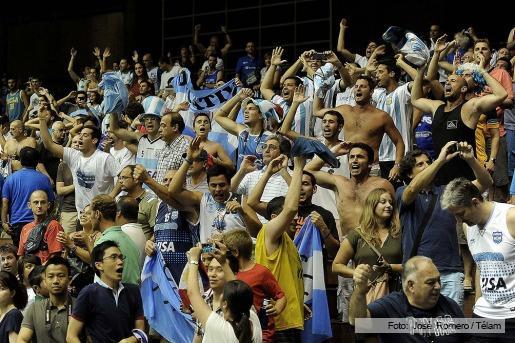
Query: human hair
<point x="58" y="261"/>
<point x="507" y="61"/>
<point x="36" y="275"/>
<point x="338" y="115"/>
<point x="29" y="157"/>
<point x="218" y="170"/>
<point x="143" y="76"/>
<point x="409" y="161"/>
<point x="134" y="109"/>
<point x="240" y="240"/>
<point x="4" y="120"/>
<point x="369" y="223"/>
<point x="132" y="167"/>
<point x="97" y="254"/>
<point x="371" y="83"/>
<point x="311" y="177"/>
<point x="366" y="147"/>
<point x="298" y="80"/>
<point x="201" y="114"/>
<point x="9" y="281"/>
<point x="95" y="134"/>
<point x="128" y="208"/>
<point x="459" y="193"/>
<point x="239" y="298"/>
<point x="29" y="258"/>
<point x="411" y="267"/>
<point x="83" y="93"/>
<point x="106" y="205"/>
<point x="150" y="85"/>
<point x="176" y="119"/>
<point x="482" y="40"/>
<point x="8" y="249"/>
<point x="275" y="206"/>
<point x="284" y="144"/>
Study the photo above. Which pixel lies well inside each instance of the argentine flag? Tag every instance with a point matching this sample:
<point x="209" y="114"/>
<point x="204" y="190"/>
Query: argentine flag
<point x="162" y="303"/>
<point x="309" y="244"/>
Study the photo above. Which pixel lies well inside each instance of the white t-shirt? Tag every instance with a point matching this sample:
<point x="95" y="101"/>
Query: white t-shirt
<point x="124" y="156"/>
<point x="126" y="77"/>
<point x="152" y="75"/>
<point x="167" y="75"/>
<point x="91" y="175"/>
<point x="361" y="60"/>
<point x="398" y="105"/>
<point x="219" y="64"/>
<point x="135" y="232"/>
<point x="219" y="330"/>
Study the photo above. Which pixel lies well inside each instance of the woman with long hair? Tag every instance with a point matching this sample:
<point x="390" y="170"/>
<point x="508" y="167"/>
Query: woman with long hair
<point x="140" y="74"/>
<point x="237" y="323"/>
<point x="378" y="226"/>
<point x="13" y="298"/>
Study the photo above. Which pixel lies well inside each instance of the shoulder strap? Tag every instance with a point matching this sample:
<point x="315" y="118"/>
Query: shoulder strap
<point x="423" y="225"/>
<point x="358" y="230"/>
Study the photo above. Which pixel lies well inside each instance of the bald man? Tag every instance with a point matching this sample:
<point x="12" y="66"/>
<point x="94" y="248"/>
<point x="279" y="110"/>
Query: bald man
<point x="13" y="146"/>
<point x="420" y="298"/>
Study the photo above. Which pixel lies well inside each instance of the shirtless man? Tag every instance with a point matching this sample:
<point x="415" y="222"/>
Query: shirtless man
<point x="350" y="192"/>
<point x="13" y="146"/>
<point x="365" y="123"/>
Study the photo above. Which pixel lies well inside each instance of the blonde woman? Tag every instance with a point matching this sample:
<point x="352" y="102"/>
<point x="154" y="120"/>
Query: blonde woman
<point x="379" y="226"/>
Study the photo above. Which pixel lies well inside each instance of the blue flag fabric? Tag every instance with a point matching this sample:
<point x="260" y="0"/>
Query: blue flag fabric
<point x="162" y="303"/>
<point x="309" y="244"/>
<point x="116" y="95"/>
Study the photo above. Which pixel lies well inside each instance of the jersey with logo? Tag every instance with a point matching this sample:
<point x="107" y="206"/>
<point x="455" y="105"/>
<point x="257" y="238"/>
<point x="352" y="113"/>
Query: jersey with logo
<point x="147" y="154"/>
<point x="493" y="250"/>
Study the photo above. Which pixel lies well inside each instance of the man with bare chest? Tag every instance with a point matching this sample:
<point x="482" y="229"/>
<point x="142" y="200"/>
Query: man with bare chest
<point x="350" y="192"/>
<point x="13" y="146"/>
<point x="365" y="123"/>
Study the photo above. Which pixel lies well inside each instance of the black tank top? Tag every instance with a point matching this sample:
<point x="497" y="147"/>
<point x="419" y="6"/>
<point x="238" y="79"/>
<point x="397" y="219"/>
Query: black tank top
<point x="448" y="126"/>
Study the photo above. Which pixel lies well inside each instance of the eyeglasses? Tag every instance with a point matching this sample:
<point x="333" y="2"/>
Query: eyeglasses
<point x="115" y="257"/>
<point x="81" y="98"/>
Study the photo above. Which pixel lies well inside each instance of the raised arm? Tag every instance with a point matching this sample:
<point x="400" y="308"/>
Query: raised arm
<point x="267" y="84"/>
<point x="56" y="149"/>
<point x="278" y="225"/>
<point x="340" y="47"/>
<point x="228" y="42"/>
<point x="344" y="73"/>
<point x="295" y="67"/>
<point x="221" y="115"/>
<point x="298" y="98"/>
<point x="122" y="134"/>
<point x="399" y="61"/>
<point x="483" y="179"/>
<point x="196" y="41"/>
<point x="396" y="138"/>
<point x="187" y="199"/>
<point x="324" y="179"/>
<point x="417" y="95"/>
<point x="71" y="72"/>
<point x="247" y="166"/>
<point x="103" y="64"/>
<point x="440" y="45"/>
<point x="201" y="309"/>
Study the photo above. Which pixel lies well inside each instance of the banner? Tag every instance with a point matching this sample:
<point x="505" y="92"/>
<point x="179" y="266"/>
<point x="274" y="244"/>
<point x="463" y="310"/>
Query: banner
<point x="309" y="244"/>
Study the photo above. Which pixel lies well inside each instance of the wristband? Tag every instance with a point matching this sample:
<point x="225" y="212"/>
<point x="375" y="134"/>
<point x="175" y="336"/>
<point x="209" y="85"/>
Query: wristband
<point x="187" y="160"/>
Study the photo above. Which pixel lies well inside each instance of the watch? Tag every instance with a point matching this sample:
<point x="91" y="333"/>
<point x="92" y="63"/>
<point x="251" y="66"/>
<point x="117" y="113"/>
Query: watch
<point x="194" y="262"/>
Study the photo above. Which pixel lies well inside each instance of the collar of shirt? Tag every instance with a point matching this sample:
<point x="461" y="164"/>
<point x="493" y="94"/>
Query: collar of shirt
<point x="116" y="293"/>
<point x="131" y="225"/>
<point x="111" y="229"/>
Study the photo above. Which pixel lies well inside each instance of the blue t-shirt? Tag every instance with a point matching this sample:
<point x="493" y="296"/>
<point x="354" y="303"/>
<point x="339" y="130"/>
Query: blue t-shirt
<point x="251" y="145"/>
<point x="439" y="240"/>
<point x="249" y="70"/>
<point x="424" y="135"/>
<point x="396" y="305"/>
<point x="17" y="189"/>
<point x="174" y="238"/>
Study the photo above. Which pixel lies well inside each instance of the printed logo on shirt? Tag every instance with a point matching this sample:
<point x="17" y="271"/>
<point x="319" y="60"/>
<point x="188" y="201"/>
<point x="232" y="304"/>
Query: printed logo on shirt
<point x="389" y="100"/>
<point x="86" y="181"/>
<point x="452" y="125"/>
<point x="497" y="237"/>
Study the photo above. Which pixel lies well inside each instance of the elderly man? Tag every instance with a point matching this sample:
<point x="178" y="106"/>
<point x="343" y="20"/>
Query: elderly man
<point x="420" y="298"/>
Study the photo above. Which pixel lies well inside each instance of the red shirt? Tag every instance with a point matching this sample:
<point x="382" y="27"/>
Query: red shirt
<point x="264" y="285"/>
<point x="49" y="238"/>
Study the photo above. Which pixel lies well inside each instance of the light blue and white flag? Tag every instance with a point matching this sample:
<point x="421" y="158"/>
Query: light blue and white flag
<point x="309" y="244"/>
<point x="162" y="303"/>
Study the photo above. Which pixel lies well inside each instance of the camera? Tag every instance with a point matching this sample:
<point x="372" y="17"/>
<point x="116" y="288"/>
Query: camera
<point x="318" y="56"/>
<point x="453" y="148"/>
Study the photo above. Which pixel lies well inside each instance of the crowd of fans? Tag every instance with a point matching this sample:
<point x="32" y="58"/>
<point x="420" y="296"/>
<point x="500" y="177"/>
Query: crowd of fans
<point x="414" y="214"/>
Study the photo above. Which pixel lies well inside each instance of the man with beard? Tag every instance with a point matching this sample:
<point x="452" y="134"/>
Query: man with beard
<point x="108" y="309"/>
<point x="365" y="123"/>
<point x="219" y="210"/>
<point x="47" y="320"/>
<point x="456" y="119"/>
<point x="103" y="216"/>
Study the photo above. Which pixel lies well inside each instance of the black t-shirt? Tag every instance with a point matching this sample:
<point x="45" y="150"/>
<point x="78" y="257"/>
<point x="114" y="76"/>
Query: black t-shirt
<point x="396" y="305"/>
<point x="10" y="323"/>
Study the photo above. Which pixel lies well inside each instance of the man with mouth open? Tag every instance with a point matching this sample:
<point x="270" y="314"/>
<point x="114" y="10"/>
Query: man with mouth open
<point x="109" y="309"/>
<point x="364" y="122"/>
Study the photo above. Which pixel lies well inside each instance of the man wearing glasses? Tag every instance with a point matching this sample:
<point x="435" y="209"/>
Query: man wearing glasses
<point x="110" y="310"/>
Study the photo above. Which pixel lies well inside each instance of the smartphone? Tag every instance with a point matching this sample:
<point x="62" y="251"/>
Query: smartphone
<point x="208" y="248"/>
<point x="453" y="148"/>
<point x="318" y="56"/>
